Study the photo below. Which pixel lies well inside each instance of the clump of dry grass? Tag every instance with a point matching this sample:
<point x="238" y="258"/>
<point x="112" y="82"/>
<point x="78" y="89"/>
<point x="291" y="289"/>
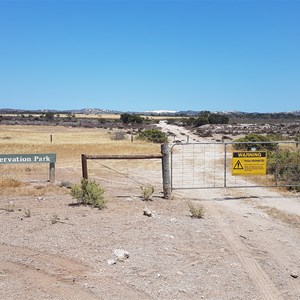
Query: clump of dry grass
<point x="27" y="213"/>
<point x="147" y="192"/>
<point x="26" y="189"/>
<point x="283" y="216"/>
<point x="9" y="183"/>
<point x="197" y="211"/>
<point x="54" y="219"/>
<point x="9" y="207"/>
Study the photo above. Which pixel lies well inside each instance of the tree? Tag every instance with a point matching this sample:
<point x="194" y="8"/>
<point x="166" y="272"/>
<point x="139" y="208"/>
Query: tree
<point x="49" y="116"/>
<point x="131" y="118"/>
<point x="217" y="119"/>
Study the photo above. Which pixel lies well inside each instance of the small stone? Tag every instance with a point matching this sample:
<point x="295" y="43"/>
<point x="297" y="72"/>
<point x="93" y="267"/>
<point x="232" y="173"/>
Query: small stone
<point x="147" y="212"/>
<point x="173" y="220"/>
<point x="111" y="262"/>
<point x="294" y="274"/>
<point x="121" y="254"/>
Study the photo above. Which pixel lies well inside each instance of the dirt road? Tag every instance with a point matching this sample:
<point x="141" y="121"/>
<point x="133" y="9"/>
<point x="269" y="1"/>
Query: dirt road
<point x="246" y="247"/>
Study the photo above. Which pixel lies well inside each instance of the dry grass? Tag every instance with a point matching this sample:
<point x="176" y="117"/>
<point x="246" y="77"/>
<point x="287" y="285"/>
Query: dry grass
<point x="67" y="143"/>
<point x="285" y="217"/>
<point x="26" y="189"/>
<point x="9" y="183"/>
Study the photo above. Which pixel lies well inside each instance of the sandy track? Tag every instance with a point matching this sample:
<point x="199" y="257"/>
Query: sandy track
<point x="238" y="251"/>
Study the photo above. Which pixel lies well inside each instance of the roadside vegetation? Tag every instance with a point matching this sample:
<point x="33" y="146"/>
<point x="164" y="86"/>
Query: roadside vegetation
<point x="283" y="162"/>
<point x="89" y="192"/>
<point x="153" y="135"/>
<point x="206" y="117"/>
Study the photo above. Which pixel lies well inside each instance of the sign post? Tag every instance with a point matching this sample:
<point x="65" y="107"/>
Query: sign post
<point x="249" y="163"/>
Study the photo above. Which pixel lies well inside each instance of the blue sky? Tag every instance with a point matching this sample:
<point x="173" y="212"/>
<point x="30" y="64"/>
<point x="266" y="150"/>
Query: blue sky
<point x="150" y="55"/>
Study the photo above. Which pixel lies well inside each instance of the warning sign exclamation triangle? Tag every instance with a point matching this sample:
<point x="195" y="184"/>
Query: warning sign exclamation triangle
<point x="238" y="166"/>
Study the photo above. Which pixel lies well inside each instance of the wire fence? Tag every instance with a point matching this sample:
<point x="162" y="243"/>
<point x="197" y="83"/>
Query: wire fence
<point x="126" y="177"/>
<point x="213" y="165"/>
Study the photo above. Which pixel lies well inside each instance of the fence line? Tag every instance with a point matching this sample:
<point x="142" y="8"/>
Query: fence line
<point x="164" y="156"/>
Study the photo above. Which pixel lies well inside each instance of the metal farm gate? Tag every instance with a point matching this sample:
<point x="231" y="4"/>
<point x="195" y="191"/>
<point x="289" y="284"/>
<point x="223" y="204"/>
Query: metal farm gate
<point x="219" y="165"/>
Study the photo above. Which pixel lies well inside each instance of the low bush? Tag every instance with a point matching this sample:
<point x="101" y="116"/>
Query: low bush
<point x="197" y="211"/>
<point x="253" y="140"/>
<point x="153" y="135"/>
<point x="288" y="167"/>
<point x="283" y="163"/>
<point x="88" y="192"/>
<point x="147" y="192"/>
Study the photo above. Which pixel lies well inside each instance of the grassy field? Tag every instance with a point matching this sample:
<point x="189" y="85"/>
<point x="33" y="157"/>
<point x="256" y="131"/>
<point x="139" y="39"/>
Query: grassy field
<point x="68" y="144"/>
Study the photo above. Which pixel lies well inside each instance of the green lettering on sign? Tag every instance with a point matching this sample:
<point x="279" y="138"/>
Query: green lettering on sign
<point x="27" y="158"/>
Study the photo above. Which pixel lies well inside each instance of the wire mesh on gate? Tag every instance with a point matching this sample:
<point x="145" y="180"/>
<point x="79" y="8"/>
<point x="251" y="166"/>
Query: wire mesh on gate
<point x="197" y="165"/>
<point x="210" y="165"/>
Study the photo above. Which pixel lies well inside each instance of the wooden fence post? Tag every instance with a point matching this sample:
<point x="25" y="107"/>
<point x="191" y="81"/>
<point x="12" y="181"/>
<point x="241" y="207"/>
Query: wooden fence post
<point x="165" y="151"/>
<point x="84" y="166"/>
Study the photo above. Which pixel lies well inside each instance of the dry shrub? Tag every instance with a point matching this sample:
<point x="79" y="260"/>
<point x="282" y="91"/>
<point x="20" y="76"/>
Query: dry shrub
<point x="197" y="211"/>
<point x="147" y="192"/>
<point x="118" y="136"/>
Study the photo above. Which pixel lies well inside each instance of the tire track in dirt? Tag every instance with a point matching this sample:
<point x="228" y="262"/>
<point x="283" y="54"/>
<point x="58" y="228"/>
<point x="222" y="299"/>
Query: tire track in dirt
<point x="253" y="268"/>
<point x="283" y="254"/>
<point x="41" y="275"/>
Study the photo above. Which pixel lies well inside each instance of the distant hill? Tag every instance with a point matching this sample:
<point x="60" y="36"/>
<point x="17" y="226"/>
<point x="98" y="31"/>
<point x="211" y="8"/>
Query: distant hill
<point x="188" y="113"/>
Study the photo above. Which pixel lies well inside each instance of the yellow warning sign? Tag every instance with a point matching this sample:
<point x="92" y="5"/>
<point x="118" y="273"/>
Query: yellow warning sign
<point x="249" y="163"/>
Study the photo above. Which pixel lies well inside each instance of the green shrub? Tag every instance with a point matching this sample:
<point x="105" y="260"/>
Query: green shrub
<point x="252" y="138"/>
<point x="153" y="135"/>
<point x="131" y="119"/>
<point x="88" y="192"/>
<point x="288" y="167"/>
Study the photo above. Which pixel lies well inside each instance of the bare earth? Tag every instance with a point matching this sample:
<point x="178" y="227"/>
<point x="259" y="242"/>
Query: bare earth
<point x="246" y="247"/>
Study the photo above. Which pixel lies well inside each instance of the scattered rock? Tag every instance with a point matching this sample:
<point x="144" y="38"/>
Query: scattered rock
<point x="294" y="274"/>
<point x="244" y="237"/>
<point x="147" y="212"/>
<point x="121" y="254"/>
<point x="111" y="262"/>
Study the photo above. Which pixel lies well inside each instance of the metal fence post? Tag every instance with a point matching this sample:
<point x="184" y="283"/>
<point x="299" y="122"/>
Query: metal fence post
<point x="166" y="171"/>
<point x="52" y="172"/>
<point x="225" y="164"/>
<point x="276" y="166"/>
